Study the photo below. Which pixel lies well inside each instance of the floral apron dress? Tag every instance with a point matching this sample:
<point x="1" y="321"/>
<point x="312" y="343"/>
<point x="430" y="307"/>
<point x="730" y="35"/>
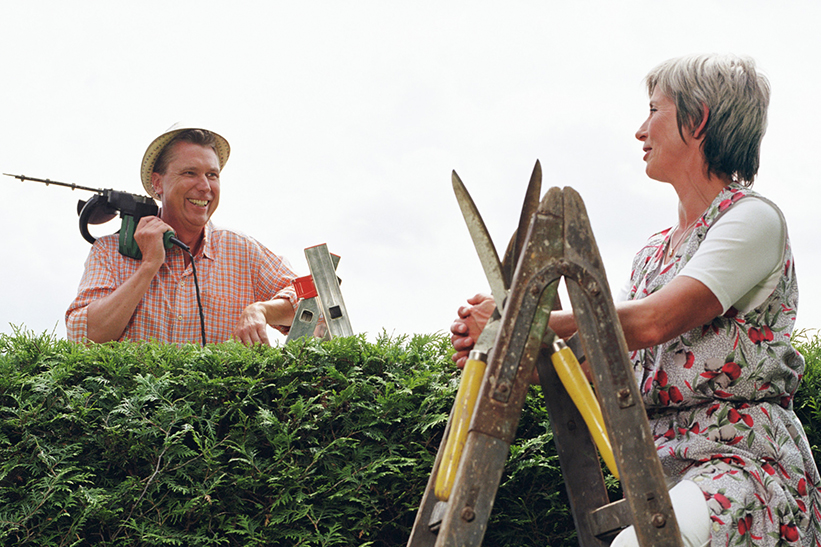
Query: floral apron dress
<point x="719" y="400"/>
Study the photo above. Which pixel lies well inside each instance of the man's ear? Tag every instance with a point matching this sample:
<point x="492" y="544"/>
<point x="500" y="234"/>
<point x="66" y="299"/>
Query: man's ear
<point x="156" y="183"/>
<point x="698" y="131"/>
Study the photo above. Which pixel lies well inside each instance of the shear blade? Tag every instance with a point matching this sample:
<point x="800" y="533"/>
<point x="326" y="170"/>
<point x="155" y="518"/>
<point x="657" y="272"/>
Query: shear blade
<point x="482" y="241"/>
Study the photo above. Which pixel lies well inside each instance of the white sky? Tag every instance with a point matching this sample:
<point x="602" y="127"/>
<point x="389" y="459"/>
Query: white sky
<point x="346" y="119"/>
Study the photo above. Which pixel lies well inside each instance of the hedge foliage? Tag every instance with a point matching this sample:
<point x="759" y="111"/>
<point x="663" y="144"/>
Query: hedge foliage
<point x="311" y="444"/>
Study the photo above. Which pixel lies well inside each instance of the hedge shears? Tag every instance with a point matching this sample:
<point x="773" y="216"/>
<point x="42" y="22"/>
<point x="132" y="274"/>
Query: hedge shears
<point x="565" y="357"/>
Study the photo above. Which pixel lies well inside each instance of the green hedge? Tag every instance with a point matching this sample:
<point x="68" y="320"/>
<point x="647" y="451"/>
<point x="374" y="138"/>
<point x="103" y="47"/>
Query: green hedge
<point x="312" y="444"/>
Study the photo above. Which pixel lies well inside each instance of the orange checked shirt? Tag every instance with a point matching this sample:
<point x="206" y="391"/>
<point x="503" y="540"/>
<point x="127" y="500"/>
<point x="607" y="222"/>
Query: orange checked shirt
<point x="233" y="270"/>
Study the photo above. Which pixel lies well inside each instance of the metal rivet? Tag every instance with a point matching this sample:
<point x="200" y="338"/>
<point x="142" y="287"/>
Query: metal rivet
<point x="658" y="520"/>
<point x="467" y="514"/>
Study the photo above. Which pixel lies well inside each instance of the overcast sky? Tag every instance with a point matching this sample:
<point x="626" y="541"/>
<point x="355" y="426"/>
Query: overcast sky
<point x="346" y="119"/>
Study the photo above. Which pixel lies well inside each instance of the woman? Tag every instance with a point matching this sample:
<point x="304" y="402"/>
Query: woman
<point x="708" y="316"/>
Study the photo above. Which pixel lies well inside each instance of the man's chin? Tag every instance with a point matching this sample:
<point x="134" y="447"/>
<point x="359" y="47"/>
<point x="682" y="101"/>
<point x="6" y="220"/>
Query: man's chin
<point x="197" y="224"/>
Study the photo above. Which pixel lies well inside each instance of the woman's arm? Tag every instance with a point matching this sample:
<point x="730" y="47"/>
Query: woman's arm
<point x="681" y="305"/>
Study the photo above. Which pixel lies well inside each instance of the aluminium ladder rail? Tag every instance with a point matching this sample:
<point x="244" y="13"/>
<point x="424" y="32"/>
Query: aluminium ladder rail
<point x="319" y="293"/>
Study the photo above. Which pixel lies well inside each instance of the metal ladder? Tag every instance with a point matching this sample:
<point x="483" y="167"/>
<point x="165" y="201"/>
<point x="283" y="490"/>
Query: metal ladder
<point x="559" y="244"/>
<point x="319" y="293"/>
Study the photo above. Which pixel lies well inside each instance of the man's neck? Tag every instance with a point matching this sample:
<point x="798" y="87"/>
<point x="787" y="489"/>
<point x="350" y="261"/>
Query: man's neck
<point x="192" y="237"/>
<point x="194" y="240"/>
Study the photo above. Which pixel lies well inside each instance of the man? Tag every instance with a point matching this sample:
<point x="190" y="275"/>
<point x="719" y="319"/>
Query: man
<point x="244" y="287"/>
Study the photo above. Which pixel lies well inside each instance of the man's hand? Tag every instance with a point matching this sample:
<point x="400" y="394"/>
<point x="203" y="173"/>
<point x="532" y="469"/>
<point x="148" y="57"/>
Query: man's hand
<point x="469" y="325"/>
<point x="252" y="327"/>
<point x="149" y="237"/>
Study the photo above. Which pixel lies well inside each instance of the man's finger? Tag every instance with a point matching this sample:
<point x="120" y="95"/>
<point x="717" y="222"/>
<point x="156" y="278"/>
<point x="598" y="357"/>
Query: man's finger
<point x="247" y="337"/>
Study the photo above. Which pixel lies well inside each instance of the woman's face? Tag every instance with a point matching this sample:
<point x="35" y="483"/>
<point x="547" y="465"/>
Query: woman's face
<point x="666" y="154"/>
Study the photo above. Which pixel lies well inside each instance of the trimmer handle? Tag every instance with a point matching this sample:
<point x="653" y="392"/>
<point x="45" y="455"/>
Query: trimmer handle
<point x="128" y="246"/>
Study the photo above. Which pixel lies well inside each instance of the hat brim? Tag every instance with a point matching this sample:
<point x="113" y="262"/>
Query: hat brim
<point x="223" y="150"/>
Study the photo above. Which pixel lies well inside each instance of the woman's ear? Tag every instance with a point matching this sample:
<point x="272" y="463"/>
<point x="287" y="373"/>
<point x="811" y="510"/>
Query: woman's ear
<point x="698" y="131"/>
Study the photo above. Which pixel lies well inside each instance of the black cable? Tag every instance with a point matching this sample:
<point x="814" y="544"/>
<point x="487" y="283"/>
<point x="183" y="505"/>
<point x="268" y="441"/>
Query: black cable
<point x="199" y="302"/>
<point x="187" y="249"/>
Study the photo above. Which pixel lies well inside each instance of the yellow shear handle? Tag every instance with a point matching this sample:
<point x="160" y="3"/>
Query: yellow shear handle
<point x="462" y="413"/>
<point x="577" y="386"/>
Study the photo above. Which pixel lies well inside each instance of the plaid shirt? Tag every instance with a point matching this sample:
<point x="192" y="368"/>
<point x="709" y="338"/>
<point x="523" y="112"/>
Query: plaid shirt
<point x="233" y="270"/>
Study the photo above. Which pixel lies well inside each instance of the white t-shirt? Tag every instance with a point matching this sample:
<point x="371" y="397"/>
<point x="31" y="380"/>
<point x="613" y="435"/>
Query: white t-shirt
<point x="741" y="257"/>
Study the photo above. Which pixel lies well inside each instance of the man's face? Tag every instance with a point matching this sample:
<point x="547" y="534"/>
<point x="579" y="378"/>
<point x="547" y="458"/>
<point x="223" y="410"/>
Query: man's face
<point x="190" y="187"/>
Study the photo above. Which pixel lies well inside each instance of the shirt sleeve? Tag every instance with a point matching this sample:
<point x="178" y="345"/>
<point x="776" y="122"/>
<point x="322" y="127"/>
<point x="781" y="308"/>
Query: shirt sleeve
<point x="97" y="282"/>
<point x="276" y="280"/>
<point x="741" y="255"/>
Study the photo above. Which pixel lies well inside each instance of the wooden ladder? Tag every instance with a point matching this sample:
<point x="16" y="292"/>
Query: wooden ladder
<point x="559" y="244"/>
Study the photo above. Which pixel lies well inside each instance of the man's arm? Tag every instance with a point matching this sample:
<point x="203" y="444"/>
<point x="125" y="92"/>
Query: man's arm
<point x="275" y="296"/>
<point x="253" y="323"/>
<point x="108" y="317"/>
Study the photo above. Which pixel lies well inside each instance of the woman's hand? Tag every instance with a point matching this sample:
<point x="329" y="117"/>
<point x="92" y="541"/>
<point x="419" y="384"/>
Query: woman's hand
<point x="469" y="325"/>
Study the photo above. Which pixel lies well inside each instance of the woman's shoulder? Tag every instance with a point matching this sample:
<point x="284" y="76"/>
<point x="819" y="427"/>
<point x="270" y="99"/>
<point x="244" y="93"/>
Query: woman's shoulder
<point x="747" y="211"/>
<point x="741" y="200"/>
<point x="755" y="209"/>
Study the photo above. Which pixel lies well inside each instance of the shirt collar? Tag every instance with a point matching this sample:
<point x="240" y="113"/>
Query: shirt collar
<point x="207" y="244"/>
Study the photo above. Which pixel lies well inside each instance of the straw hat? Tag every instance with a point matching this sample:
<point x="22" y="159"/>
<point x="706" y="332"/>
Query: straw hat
<point x="157" y="145"/>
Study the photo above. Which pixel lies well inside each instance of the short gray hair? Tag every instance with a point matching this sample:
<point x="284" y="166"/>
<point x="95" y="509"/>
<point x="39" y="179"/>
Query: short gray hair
<point x="737" y="97"/>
